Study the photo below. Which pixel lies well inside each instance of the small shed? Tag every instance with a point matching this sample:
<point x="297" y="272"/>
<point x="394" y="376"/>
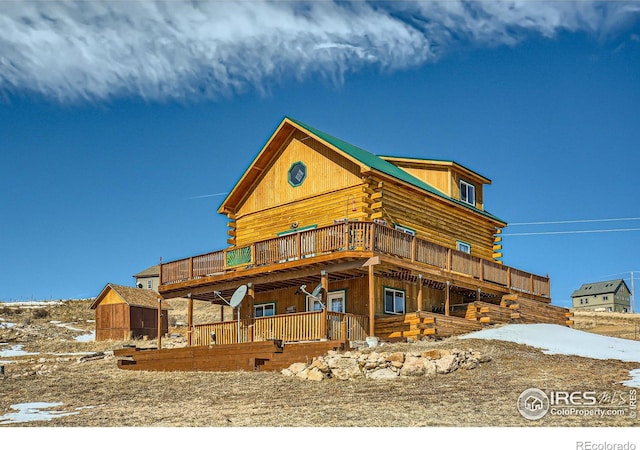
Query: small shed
<point x="124" y="313"/>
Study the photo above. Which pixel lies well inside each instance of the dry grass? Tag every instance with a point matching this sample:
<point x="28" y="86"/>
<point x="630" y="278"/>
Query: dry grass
<point x="482" y="397"/>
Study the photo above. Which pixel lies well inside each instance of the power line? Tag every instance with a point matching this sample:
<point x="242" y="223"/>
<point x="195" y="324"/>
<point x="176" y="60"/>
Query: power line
<point x="570" y="232"/>
<point x="574" y="221"/>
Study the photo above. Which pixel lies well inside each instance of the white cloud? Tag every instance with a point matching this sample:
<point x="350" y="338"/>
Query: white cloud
<point x="97" y="50"/>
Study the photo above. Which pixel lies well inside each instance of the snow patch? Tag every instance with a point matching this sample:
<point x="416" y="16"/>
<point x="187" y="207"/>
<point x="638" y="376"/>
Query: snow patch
<point x="31" y="412"/>
<point x="14" y="351"/>
<point x="86" y="337"/>
<point x="557" y="339"/>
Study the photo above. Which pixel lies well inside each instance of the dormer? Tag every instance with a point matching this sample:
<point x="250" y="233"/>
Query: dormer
<point x="449" y="177"/>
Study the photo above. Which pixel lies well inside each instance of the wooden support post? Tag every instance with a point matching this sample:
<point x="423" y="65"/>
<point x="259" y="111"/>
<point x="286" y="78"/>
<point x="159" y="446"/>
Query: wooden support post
<point x="420" y="292"/>
<point x="251" y="305"/>
<point x="324" y="281"/>
<point x="447" y="299"/>
<point x="189" y="320"/>
<point x="159" y="322"/>
<point x="372" y="236"/>
<point x="372" y="308"/>
<point x="478" y="294"/>
<point x="481" y="269"/>
<point x="160" y="273"/>
<point x="509" y="278"/>
<point x="449" y="259"/>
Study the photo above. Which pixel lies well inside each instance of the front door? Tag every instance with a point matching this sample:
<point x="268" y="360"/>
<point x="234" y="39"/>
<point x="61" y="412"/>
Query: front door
<point x="335" y="302"/>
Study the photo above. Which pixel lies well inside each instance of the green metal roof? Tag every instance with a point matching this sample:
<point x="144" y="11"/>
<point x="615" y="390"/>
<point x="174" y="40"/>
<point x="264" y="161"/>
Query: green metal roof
<point x="377" y="163"/>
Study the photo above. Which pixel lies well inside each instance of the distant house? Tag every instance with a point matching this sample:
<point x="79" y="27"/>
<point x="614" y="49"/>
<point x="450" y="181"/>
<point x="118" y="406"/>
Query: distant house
<point x="610" y="296"/>
<point x="148" y="278"/>
<point x="124" y="313"/>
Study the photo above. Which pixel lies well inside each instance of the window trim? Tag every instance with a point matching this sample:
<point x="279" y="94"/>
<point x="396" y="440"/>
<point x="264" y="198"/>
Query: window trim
<point x="404" y="300"/>
<point x="460" y="244"/>
<point x="404" y="229"/>
<point x="467" y="188"/>
<point x="262" y="305"/>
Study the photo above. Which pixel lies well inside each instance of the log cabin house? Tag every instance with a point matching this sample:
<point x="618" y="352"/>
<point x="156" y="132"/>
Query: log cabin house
<point x="397" y="247"/>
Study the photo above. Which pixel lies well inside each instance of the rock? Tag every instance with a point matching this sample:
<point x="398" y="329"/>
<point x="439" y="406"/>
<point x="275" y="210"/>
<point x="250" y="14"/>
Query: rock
<point x="431" y="354"/>
<point x="397" y="357"/>
<point x="296" y="368"/>
<point x="447" y="364"/>
<point x="413" y="367"/>
<point x="430" y="367"/>
<point x="382" y="374"/>
<point x="470" y="363"/>
<point x="343" y="368"/>
<point x="319" y="364"/>
<point x="482" y="358"/>
<point x="286" y="372"/>
<point x="315" y="374"/>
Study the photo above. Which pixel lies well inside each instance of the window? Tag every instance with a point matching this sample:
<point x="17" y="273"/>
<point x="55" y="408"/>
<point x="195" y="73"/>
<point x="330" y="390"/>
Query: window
<point x="581" y="301"/>
<point x="264" y="310"/>
<point x="463" y="247"/>
<point x="605" y="298"/>
<point x="149" y="284"/>
<point x="468" y="193"/>
<point x="393" y="301"/>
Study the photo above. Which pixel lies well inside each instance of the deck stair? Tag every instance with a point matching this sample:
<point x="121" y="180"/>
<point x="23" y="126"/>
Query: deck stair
<point x="486" y="313"/>
<point x="533" y="311"/>
<point x="422" y="323"/>
<point x="252" y="356"/>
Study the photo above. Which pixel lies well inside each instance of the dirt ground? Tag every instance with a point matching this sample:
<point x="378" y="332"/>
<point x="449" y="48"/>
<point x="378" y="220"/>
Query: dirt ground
<point x="98" y="394"/>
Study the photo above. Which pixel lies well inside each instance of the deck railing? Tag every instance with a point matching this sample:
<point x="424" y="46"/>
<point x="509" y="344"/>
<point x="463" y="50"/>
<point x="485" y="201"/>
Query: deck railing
<point x="305" y="326"/>
<point x="353" y="236"/>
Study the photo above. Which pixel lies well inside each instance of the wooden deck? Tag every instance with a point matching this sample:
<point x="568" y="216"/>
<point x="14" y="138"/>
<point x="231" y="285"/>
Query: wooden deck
<point x="272" y="355"/>
<point x="297" y="327"/>
<point x="348" y="240"/>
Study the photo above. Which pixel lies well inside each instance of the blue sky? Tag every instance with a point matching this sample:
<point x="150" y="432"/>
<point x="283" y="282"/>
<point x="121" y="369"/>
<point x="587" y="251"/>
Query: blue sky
<point x="119" y="122"/>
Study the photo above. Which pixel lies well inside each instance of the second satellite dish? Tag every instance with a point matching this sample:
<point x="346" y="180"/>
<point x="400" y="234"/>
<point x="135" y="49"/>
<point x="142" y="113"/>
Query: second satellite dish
<point x="238" y="296"/>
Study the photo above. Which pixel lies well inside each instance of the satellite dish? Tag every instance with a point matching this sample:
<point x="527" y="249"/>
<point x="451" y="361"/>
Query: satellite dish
<point x="316" y="291"/>
<point x="238" y="296"/>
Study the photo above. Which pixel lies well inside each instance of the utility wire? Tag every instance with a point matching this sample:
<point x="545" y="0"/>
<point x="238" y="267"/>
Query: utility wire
<point x="570" y="232"/>
<point x="574" y="221"/>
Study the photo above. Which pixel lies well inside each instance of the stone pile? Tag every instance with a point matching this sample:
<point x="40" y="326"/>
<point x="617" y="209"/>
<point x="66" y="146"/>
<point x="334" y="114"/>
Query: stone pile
<point x="386" y="365"/>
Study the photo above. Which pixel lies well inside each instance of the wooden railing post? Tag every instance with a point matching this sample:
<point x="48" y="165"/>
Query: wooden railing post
<point x="160" y="274"/>
<point x="323" y="324"/>
<point x="190" y="274"/>
<point x="447" y="299"/>
<point x="531" y="284"/>
<point x="413" y="248"/>
<point x="449" y="257"/>
<point x="509" y="277"/>
<point x="299" y="245"/>
<point x="481" y="262"/>
<point x="372" y="240"/>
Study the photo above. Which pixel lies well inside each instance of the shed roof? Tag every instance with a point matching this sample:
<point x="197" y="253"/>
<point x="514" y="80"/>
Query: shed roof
<point x="601" y="287"/>
<point x="132" y="296"/>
